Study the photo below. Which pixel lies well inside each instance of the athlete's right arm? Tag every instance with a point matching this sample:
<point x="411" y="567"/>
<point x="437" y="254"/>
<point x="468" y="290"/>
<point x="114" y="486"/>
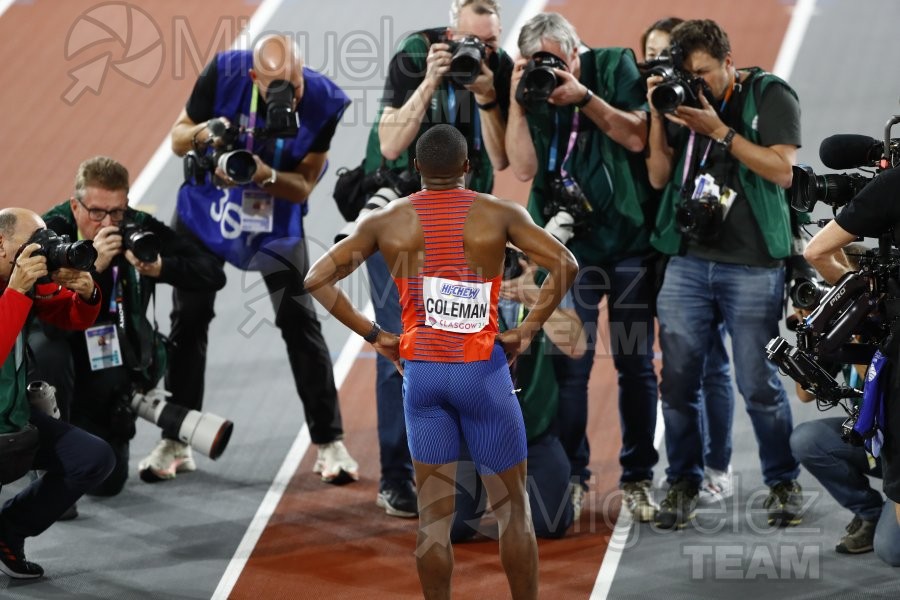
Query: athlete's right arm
<point x="548" y="253"/>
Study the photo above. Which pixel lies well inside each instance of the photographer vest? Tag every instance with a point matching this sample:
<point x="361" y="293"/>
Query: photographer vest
<point x="612" y="178"/>
<point x="14" y="408"/>
<point x="215" y="215"/>
<point x="768" y="201"/>
<point x="457" y="109"/>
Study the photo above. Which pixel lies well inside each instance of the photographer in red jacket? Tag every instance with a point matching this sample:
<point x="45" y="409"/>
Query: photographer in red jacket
<point x="72" y="459"/>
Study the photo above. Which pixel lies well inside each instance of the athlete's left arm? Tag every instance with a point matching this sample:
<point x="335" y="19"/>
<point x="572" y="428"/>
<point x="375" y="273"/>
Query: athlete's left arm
<point x="295" y="185"/>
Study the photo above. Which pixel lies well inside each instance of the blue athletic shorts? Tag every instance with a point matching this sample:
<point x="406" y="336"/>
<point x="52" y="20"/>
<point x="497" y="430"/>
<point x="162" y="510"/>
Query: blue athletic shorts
<point x="442" y="401"/>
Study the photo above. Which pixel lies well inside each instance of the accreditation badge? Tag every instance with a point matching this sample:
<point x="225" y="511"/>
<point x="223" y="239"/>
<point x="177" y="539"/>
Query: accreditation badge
<point x="458" y="306"/>
<point x="257" y="211"/>
<point x="103" y="347"/>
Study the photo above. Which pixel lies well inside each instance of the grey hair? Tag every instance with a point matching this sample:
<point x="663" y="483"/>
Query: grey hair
<point x="7" y="223"/>
<point x="547" y="26"/>
<point x="481" y="7"/>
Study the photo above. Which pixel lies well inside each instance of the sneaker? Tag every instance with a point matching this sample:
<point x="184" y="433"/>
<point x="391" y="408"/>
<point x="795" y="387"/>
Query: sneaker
<point x="335" y="464"/>
<point x="168" y="458"/>
<point x="677" y="509"/>
<point x="785" y="503"/>
<point x="860" y="537"/>
<point x="636" y="498"/>
<point x="70" y="514"/>
<point x="716" y="486"/>
<point x="576" y="493"/>
<point x="399" y="500"/>
<point x="13" y="562"/>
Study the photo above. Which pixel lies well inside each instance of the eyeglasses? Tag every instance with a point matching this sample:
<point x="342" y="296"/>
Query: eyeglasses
<point x="98" y="214"/>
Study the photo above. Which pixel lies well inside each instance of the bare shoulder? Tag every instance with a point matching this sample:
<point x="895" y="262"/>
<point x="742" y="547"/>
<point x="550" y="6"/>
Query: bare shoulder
<point x="500" y="205"/>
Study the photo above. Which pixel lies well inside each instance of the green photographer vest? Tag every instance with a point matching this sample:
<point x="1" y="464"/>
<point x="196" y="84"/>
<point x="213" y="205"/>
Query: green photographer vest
<point x="14" y="408"/>
<point x="768" y="200"/>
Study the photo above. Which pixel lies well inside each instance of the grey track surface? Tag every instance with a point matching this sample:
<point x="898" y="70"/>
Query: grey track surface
<point x="843" y="88"/>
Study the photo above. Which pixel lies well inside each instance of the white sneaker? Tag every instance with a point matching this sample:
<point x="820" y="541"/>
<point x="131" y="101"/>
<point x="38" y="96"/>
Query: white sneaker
<point x="576" y="490"/>
<point x="335" y="464"/>
<point x="716" y="486"/>
<point x="168" y="458"/>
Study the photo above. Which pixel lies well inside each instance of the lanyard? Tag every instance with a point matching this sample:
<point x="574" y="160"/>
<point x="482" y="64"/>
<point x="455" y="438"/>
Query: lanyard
<point x="554" y="152"/>
<point x="722" y="106"/>
<point x="453" y="113"/>
<point x="254" y="110"/>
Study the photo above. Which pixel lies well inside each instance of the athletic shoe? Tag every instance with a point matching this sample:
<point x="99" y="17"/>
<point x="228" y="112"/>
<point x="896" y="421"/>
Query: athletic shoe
<point x="576" y="491"/>
<point x="168" y="458"/>
<point x="398" y="500"/>
<point x="785" y="503"/>
<point x="860" y="537"/>
<point x="12" y="560"/>
<point x="636" y="498"/>
<point x="335" y="464"/>
<point x="677" y="509"/>
<point x="716" y="485"/>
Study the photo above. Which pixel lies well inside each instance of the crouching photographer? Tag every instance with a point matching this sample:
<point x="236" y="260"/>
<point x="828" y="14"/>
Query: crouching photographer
<point x="96" y="372"/>
<point x="874" y="212"/>
<point x="73" y="460"/>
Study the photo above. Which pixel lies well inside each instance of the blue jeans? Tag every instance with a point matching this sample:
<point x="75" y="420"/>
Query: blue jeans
<point x="629" y="292"/>
<point x="842" y="470"/>
<point x="396" y="465"/>
<point x="749" y="299"/>
<point x="718" y="402"/>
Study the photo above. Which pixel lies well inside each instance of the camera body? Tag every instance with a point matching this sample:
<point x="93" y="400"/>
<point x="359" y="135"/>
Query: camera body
<point x="62" y="253"/>
<point x="678" y="87"/>
<point x="566" y="209"/>
<point x="467" y="56"/>
<point x="143" y="244"/>
<point x="383" y="185"/>
<point x="701" y="218"/>
<point x="282" y="121"/>
<point x="539" y="79"/>
<point x="239" y="165"/>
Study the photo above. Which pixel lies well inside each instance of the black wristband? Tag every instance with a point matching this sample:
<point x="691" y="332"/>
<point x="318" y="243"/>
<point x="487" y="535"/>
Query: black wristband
<point x="372" y="336"/>
<point x="587" y="98"/>
<point x="487" y="106"/>
<point x="95" y="297"/>
<point x="725" y="142"/>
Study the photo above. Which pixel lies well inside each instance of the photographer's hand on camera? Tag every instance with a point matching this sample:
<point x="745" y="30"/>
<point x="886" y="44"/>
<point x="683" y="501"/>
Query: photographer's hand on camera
<point x="483" y="86"/>
<point x="570" y="91"/>
<point x="437" y="64"/>
<point x="79" y="282"/>
<point x="704" y="121"/>
<point x="147" y="269"/>
<point x="27" y="269"/>
<point x="108" y="244"/>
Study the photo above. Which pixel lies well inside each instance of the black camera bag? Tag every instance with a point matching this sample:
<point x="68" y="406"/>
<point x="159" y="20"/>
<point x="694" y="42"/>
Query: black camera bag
<point x="349" y="193"/>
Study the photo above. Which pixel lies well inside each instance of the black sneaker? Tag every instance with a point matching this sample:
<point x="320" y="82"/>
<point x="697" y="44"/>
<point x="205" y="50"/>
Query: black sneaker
<point x="860" y="537"/>
<point x="399" y="500"/>
<point x="13" y="563"/>
<point x="785" y="503"/>
<point x="677" y="509"/>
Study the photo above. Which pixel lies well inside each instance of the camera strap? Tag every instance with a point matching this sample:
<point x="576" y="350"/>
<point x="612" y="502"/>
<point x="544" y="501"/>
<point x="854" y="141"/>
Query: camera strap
<point x="554" y="143"/>
<point x="453" y="113"/>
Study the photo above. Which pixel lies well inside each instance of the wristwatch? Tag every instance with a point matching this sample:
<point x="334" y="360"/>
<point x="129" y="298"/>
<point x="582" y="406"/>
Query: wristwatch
<point x="272" y="179"/>
<point x="725" y="142"/>
<point x="372" y="336"/>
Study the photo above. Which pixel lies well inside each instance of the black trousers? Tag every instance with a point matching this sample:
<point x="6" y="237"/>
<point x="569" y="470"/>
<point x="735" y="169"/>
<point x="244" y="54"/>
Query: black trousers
<point x="295" y="316"/>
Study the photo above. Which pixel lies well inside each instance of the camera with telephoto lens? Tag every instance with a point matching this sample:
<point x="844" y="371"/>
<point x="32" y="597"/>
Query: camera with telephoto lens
<point x="238" y="165"/>
<point x="467" y="56"/>
<point x="539" y="79"/>
<point x="205" y="432"/>
<point x="61" y="253"/>
<point x="678" y="87"/>
<point x="384" y="185"/>
<point x="142" y="243"/>
<point x="566" y="209"/>
<point x="805" y="293"/>
<point x="282" y="121"/>
<point x="700" y="218"/>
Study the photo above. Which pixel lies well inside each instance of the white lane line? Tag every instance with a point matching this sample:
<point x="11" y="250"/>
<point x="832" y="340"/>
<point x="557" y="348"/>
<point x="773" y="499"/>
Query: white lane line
<point x="4" y="5"/>
<point x="285" y="473"/>
<point x="793" y="38"/>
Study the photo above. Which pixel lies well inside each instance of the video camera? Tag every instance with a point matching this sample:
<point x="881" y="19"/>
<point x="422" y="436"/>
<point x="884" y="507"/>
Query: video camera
<point x="382" y="186"/>
<point x="539" y="79"/>
<point x="806" y="293"/>
<point x="844" y="151"/>
<point x="678" y="87"/>
<point x="61" y="253"/>
<point x="465" y="64"/>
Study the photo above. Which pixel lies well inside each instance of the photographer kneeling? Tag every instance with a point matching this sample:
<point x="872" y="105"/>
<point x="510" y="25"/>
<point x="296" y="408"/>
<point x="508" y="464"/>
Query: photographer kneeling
<point x="74" y="460"/>
<point x="871" y="213"/>
<point x="122" y="350"/>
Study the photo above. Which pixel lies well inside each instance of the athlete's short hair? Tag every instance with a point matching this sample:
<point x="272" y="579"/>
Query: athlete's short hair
<point x="441" y="150"/>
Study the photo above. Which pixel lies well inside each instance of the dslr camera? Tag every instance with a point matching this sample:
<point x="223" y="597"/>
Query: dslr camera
<point x="239" y="165"/>
<point x="678" y="87"/>
<point x="566" y="209"/>
<point x="61" y="253"/>
<point x="467" y="56"/>
<point x="538" y="79"/>
<point x="142" y="243"/>
<point x="700" y="218"/>
<point x="384" y="185"/>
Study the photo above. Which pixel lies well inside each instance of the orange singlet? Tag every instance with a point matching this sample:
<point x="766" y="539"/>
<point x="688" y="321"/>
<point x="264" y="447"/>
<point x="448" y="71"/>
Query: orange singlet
<point x="449" y="312"/>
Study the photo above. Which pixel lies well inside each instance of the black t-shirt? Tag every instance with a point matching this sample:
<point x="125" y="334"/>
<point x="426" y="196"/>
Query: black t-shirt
<point x="200" y="107"/>
<point x="741" y="240"/>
